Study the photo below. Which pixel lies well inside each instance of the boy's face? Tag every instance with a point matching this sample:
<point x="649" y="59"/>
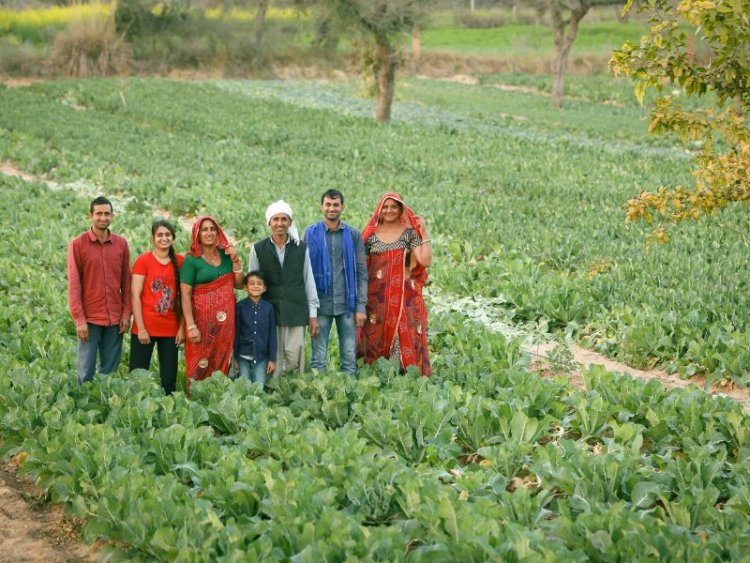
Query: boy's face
<point x="255" y="287"/>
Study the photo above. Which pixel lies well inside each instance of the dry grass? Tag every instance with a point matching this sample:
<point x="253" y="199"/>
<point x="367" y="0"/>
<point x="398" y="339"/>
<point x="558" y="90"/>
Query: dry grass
<point x="90" y="46"/>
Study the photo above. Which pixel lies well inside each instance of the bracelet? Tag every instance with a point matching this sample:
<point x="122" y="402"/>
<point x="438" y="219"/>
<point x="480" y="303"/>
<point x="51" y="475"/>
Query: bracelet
<point x="425" y="241"/>
<point x="191" y="327"/>
<point x="237" y="271"/>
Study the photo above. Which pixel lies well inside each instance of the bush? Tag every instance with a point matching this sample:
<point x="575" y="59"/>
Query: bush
<point x="90" y="46"/>
<point x="19" y="59"/>
<point x="144" y="18"/>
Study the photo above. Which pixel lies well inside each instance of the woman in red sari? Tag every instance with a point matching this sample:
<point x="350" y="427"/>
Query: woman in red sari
<point x="208" y="277"/>
<point x="399" y="252"/>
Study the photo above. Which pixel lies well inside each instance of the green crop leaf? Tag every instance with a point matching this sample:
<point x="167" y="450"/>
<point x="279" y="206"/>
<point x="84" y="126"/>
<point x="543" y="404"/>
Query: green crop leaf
<point x="644" y="493"/>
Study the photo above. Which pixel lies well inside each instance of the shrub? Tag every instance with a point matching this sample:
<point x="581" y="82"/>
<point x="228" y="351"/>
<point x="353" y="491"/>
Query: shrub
<point x="19" y="59"/>
<point x="90" y="46"/>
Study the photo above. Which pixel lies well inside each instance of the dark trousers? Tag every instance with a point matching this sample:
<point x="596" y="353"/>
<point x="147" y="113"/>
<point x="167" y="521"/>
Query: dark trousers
<point x="140" y="358"/>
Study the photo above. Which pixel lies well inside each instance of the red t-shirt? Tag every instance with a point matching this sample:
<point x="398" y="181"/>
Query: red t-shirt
<point x="158" y="295"/>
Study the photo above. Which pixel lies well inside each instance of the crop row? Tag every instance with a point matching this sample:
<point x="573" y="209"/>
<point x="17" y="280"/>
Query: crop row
<point x="237" y="474"/>
<point x="484" y="460"/>
<point x="530" y="215"/>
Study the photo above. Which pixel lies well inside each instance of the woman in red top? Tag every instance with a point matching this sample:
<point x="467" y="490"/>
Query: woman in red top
<point x="155" y="294"/>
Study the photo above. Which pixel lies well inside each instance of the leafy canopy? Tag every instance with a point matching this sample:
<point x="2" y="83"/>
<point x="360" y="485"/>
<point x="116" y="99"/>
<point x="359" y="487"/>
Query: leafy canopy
<point x="704" y="47"/>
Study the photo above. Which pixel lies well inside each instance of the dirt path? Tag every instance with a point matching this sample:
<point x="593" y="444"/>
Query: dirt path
<point x="33" y="530"/>
<point x="587" y="358"/>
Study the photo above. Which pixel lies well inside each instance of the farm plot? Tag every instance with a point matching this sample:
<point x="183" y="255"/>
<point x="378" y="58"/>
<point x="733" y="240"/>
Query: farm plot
<point x="532" y="214"/>
<point x="485" y="460"/>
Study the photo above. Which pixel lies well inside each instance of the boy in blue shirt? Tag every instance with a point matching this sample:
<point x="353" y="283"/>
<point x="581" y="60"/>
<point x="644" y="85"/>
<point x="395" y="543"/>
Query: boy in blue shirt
<point x="255" y="344"/>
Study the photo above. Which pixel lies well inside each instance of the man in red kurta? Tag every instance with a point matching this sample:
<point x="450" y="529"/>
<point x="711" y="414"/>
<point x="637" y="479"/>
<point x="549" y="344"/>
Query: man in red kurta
<point x="99" y="292"/>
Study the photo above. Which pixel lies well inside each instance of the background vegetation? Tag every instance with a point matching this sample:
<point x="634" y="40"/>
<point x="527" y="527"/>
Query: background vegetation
<point x="222" y="37"/>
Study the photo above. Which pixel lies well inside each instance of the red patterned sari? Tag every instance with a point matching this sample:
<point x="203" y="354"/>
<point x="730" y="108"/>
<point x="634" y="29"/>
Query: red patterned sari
<point x="213" y="311"/>
<point x="396" y="325"/>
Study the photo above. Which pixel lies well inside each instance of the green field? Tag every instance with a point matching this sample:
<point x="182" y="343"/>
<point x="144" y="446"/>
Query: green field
<point x="483" y="461"/>
<point x="594" y="38"/>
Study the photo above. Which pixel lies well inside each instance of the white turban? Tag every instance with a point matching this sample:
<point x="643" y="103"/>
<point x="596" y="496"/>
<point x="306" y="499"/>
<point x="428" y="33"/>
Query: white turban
<point x="278" y="207"/>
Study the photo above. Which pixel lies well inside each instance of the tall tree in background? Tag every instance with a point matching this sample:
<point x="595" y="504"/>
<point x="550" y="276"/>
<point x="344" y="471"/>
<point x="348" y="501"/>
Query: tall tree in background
<point x="565" y="18"/>
<point x="720" y="30"/>
<point x="565" y="15"/>
<point x="260" y="21"/>
<point x="378" y="24"/>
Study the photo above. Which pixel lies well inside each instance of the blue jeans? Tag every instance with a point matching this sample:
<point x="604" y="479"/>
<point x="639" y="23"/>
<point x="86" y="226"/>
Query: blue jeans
<point x="107" y="340"/>
<point x="347" y="331"/>
<point x="254" y="372"/>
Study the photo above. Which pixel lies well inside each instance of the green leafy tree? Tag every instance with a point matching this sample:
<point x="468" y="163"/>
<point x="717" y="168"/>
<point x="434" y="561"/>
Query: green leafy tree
<point x="378" y="25"/>
<point x="704" y="47"/>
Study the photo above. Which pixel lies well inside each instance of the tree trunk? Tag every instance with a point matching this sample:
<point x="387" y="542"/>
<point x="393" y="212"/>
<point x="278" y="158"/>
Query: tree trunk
<point x="563" y="43"/>
<point x="416" y="44"/>
<point x="260" y="20"/>
<point x="385" y="75"/>
<point x="558" y="78"/>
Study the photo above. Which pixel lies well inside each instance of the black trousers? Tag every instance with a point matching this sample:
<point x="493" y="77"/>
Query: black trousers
<point x="140" y="358"/>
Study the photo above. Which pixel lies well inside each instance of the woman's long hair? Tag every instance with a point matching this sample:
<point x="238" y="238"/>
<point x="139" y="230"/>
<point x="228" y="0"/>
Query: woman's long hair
<point x="173" y="259"/>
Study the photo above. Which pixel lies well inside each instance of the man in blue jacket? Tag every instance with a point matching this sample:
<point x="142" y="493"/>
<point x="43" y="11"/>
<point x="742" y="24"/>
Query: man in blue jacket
<point x="337" y="255"/>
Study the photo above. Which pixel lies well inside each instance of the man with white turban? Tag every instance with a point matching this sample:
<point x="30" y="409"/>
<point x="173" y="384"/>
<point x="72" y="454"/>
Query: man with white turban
<point x="284" y="261"/>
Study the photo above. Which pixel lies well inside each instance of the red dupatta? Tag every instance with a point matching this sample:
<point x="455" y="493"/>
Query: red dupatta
<point x="195" y="245"/>
<point x="395" y="307"/>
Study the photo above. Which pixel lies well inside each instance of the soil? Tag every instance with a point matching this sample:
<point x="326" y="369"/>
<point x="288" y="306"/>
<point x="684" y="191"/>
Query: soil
<point x="586" y="358"/>
<point x="32" y="529"/>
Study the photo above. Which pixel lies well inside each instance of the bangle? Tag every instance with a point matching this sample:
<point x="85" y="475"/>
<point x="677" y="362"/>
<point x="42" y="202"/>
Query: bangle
<point x="425" y="241"/>
<point x="191" y="327"/>
<point x="237" y="271"/>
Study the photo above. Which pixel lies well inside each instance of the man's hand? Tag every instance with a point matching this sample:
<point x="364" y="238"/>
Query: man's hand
<point x="124" y="325"/>
<point x="359" y="319"/>
<point x="271" y="367"/>
<point x="314" y="326"/>
<point x="83" y="332"/>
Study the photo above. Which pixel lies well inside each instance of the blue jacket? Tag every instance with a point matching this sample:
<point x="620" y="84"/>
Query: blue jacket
<point x="256" y="322"/>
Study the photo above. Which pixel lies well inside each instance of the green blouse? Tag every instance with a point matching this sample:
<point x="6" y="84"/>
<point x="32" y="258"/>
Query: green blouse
<point x="196" y="271"/>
